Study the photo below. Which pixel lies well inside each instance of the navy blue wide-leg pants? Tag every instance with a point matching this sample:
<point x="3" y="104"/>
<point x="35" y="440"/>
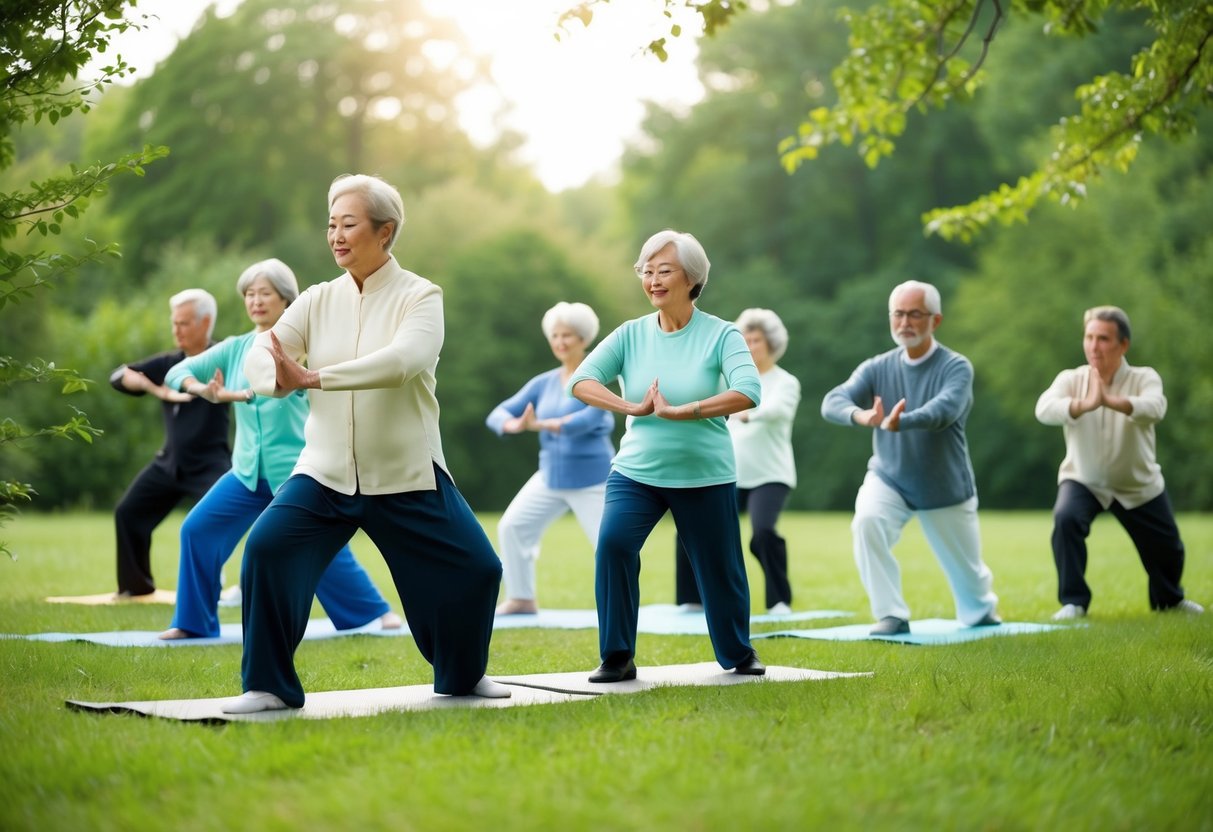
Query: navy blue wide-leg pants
<point x="443" y="565"/>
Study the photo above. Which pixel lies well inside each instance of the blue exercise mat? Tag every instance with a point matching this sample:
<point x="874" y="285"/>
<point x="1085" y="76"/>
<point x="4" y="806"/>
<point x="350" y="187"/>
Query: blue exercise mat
<point x="656" y="619"/>
<point x="926" y="631"/>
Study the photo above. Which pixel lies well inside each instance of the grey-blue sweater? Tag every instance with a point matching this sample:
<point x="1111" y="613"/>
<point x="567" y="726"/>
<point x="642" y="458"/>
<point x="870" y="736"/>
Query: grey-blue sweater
<point x="927" y="460"/>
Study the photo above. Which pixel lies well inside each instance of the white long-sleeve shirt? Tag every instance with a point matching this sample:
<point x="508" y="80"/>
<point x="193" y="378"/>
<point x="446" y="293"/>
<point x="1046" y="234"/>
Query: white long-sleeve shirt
<point x="373" y="424"/>
<point x="1110" y="453"/>
<point x="763" y="443"/>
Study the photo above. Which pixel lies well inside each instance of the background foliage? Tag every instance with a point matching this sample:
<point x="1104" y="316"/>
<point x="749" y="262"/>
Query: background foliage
<point x="262" y="109"/>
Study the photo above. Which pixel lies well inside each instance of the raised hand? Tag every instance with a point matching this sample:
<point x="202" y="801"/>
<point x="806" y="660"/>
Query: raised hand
<point x="873" y="417"/>
<point x="892" y="422"/>
<point x="518" y="424"/>
<point x="289" y="373"/>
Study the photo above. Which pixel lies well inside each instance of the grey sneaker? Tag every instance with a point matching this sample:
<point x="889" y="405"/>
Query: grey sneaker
<point x="890" y="625"/>
<point x="1190" y="607"/>
<point x="1069" y="612"/>
<point x="990" y="619"/>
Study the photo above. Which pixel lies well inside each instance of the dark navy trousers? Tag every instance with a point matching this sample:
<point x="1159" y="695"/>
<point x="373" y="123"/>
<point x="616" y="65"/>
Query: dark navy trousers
<point x="1151" y="527"/>
<point x="443" y="565"/>
<point x="706" y="520"/>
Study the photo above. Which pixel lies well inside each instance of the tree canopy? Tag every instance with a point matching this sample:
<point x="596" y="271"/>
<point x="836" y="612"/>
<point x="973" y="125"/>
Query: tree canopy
<point x="46" y="44"/>
<point x="907" y="56"/>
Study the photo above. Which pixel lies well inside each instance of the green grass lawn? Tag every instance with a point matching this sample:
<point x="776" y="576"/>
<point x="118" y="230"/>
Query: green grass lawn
<point x="1104" y="726"/>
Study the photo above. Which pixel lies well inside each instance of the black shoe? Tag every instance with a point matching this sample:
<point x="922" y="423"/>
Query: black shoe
<point x="890" y="625"/>
<point x="615" y="670"/>
<point x="751" y="666"/>
<point x="990" y="619"/>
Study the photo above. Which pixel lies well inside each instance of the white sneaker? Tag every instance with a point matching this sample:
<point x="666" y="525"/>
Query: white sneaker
<point x="1069" y="612"/>
<point x="489" y="689"/>
<point x="1190" y="607"/>
<point x="779" y="609"/>
<point x="253" y="701"/>
<point x="231" y="597"/>
<point x="690" y="607"/>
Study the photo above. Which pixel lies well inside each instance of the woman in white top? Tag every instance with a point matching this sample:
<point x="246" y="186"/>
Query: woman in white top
<point x="766" y="469"/>
<point x="372" y="460"/>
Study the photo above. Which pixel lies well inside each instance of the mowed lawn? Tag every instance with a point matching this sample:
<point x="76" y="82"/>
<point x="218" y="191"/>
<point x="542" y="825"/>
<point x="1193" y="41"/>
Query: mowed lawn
<point x="1105" y="726"/>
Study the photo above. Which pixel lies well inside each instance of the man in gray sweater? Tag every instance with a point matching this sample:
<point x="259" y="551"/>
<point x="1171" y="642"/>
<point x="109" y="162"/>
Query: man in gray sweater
<point x="916" y="398"/>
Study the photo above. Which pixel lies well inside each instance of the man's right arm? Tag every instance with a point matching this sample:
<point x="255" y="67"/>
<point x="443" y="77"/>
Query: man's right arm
<point x="1053" y="406"/>
<point x="842" y="403"/>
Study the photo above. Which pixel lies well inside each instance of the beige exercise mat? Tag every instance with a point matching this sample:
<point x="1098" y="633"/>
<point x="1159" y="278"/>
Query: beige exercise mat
<point x="703" y="674"/>
<point x="536" y="689"/>
<point x="159" y="596"/>
<point x="327" y="704"/>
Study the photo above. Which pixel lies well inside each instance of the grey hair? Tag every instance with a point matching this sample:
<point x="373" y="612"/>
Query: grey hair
<point x="577" y="316"/>
<point x="930" y="295"/>
<point x="203" y="302"/>
<point x="383" y="202"/>
<point x="279" y="275"/>
<point x="772" y="329"/>
<point x="1113" y="314"/>
<point x="691" y="256"/>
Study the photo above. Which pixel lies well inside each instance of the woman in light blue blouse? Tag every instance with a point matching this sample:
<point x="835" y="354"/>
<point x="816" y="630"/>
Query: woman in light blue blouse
<point x="575" y="453"/>
<point x="269" y="437"/>
<point x="681" y="371"/>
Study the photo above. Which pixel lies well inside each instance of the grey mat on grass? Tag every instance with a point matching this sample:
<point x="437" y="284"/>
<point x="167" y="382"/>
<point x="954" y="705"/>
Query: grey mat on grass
<point x="654" y="619"/>
<point x="534" y="689"/>
<point x="925" y="631"/>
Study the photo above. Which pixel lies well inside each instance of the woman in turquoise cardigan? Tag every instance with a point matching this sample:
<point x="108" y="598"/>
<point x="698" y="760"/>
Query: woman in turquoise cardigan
<point x="269" y="437"/>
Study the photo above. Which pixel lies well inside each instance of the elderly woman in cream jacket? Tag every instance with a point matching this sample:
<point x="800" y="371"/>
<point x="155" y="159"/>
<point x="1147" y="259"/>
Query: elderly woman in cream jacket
<point x="372" y="460"/>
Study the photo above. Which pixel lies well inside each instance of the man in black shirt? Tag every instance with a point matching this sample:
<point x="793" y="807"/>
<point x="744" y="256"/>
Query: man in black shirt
<point x="195" y="451"/>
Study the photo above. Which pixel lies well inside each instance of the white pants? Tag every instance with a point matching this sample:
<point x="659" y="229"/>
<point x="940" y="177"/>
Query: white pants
<point x="954" y="537"/>
<point x="533" y="509"/>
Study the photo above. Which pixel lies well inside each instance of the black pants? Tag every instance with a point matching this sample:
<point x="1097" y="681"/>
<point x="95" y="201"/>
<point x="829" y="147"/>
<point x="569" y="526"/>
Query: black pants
<point x="764" y="505"/>
<point x="1151" y="527"/>
<point x="148" y="500"/>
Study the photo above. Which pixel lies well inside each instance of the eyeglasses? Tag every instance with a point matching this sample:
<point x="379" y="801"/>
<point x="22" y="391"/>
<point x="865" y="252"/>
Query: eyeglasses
<point x="647" y="274"/>
<point x="914" y="315"/>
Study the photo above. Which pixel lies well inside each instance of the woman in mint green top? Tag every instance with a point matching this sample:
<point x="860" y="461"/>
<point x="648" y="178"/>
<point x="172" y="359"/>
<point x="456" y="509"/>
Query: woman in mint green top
<point x="680" y="371"/>
<point x="269" y="437"/>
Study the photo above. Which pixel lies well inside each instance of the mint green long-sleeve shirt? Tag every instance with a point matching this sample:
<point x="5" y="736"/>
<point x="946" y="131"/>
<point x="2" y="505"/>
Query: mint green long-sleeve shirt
<point x="706" y="357"/>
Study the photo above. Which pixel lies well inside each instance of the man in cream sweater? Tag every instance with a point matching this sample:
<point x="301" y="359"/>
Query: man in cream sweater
<point x="1107" y="411"/>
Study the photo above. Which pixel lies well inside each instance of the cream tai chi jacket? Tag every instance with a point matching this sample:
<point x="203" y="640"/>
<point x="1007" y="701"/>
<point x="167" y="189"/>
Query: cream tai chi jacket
<point x="373" y="425"/>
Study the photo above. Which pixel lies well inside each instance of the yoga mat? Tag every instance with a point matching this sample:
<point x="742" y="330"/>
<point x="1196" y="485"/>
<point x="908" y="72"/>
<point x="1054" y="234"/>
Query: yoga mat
<point x="655" y="619"/>
<point x="159" y="596"/>
<point x="536" y="689"/>
<point x="674" y="675"/>
<point x="926" y="631"/>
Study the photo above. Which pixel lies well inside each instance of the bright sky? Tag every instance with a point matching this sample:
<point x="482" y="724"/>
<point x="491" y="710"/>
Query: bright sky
<point x="578" y="101"/>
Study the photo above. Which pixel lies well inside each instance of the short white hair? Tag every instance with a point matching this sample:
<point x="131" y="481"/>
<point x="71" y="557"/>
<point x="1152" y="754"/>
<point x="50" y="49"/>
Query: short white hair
<point x="203" y="303"/>
<point x="279" y="275"/>
<point x="930" y="295"/>
<point x="691" y="257"/>
<point x="772" y="329"/>
<point x="577" y="316"/>
<point x="383" y="202"/>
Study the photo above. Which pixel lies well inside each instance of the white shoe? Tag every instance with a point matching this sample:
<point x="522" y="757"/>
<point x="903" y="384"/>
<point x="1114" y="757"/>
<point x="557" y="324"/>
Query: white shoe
<point x="390" y="621"/>
<point x="489" y="689"/>
<point x="1190" y="607"/>
<point x="231" y="597"/>
<point x="779" y="609"/>
<point x="690" y="607"/>
<point x="1069" y="612"/>
<point x="253" y="701"/>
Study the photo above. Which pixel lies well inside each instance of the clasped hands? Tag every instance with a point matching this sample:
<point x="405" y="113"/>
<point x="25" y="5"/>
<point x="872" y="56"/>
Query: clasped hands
<point x="527" y="421"/>
<point x="1098" y="396"/>
<point x="874" y="417"/>
<point x="654" y="403"/>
